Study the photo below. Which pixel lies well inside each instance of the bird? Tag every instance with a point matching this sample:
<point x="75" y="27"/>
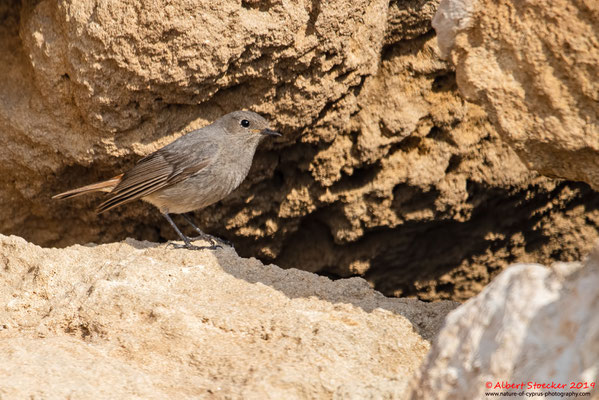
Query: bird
<point x="194" y="171"/>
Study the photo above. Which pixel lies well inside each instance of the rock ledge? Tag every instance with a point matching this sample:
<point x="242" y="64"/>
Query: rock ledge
<point x="138" y="320"/>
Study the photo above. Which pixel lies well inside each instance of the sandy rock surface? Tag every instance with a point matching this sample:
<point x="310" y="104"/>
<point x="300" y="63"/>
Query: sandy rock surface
<point x="138" y="320"/>
<point x="531" y="324"/>
<point x="381" y="165"/>
<point x="533" y="66"/>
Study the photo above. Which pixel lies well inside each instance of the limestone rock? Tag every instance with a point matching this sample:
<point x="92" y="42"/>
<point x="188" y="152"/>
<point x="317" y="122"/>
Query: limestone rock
<point x="531" y="323"/>
<point x="409" y="19"/>
<point x="382" y="163"/>
<point x="138" y="320"/>
<point x="533" y="66"/>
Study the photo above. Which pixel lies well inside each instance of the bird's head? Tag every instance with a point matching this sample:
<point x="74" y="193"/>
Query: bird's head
<point x="247" y="125"/>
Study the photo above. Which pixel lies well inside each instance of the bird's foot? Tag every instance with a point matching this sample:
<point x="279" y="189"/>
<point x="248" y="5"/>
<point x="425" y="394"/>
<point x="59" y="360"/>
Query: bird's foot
<point x="190" y="246"/>
<point x="212" y="239"/>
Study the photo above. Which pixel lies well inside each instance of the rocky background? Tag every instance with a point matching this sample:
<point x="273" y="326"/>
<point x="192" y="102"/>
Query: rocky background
<point x="384" y="170"/>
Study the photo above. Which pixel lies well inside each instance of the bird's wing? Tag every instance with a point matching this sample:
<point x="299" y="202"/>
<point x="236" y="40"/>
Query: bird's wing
<point x="161" y="169"/>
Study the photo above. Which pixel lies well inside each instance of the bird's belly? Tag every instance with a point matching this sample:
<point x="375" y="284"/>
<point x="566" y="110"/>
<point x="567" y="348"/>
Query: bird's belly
<point x="196" y="192"/>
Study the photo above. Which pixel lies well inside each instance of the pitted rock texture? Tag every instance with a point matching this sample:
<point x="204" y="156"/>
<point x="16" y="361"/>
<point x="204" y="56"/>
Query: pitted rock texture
<point x="532" y="65"/>
<point x="382" y="164"/>
<point x="140" y="320"/>
<point x="531" y="324"/>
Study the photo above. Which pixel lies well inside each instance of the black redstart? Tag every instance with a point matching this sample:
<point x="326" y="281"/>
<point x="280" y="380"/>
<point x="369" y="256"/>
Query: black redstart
<point x="196" y="170"/>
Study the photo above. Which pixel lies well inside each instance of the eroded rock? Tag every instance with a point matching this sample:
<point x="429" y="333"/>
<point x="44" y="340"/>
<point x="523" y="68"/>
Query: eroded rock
<point x="135" y="319"/>
<point x="531" y="324"/>
<point x="533" y="67"/>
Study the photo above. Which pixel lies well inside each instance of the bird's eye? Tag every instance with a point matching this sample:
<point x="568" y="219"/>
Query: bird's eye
<point x="245" y="123"/>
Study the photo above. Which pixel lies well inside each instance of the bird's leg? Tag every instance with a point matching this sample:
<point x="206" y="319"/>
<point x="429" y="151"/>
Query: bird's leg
<point x="185" y="239"/>
<point x="205" y="236"/>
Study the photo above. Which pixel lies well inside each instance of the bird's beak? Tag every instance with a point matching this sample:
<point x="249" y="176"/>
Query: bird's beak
<point x="268" y="131"/>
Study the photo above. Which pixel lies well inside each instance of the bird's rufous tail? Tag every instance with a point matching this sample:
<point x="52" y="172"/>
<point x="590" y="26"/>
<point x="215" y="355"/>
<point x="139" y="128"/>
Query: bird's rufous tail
<point x="104" y="186"/>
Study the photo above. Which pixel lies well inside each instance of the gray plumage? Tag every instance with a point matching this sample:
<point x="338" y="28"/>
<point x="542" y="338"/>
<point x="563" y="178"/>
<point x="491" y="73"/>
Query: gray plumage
<point x="193" y="172"/>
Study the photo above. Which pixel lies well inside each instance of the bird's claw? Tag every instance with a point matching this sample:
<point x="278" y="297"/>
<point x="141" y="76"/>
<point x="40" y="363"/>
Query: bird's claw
<point x="212" y="239"/>
<point x="190" y="246"/>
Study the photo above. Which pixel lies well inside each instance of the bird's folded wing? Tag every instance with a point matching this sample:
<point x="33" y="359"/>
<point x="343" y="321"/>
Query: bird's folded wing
<point x="158" y="170"/>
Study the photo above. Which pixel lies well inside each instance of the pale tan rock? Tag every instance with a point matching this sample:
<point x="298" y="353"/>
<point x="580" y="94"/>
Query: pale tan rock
<point x="126" y="61"/>
<point x="533" y="66"/>
<point x="137" y="320"/>
<point x="531" y="324"/>
<point x="62" y="367"/>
